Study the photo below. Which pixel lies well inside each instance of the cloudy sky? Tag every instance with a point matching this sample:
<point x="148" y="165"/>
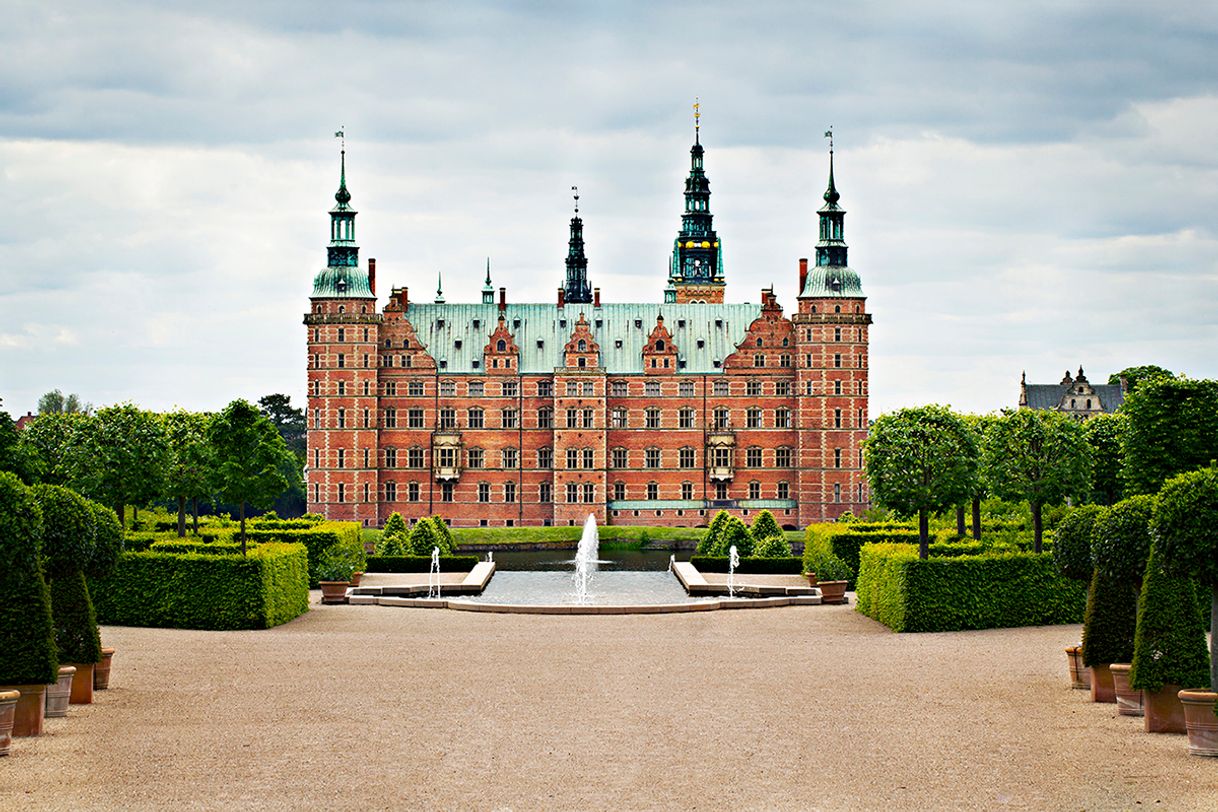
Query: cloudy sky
<point x="1030" y="185"/>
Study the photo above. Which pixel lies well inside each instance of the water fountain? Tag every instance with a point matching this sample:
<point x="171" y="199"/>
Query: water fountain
<point x="433" y="577"/>
<point x="586" y="557"/>
<point x="733" y="561"/>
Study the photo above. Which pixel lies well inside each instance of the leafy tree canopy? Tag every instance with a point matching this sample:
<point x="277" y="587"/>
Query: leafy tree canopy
<point x="1072" y="542"/>
<point x="67" y="535"/>
<point x="119" y="456"/>
<point x="765" y="526"/>
<point x="188" y="471"/>
<point x="46" y="444"/>
<point x="249" y="456"/>
<point x="1172" y="428"/>
<point x="1134" y="376"/>
<point x="1104" y="433"/>
<point x="55" y="402"/>
<point x="290" y="422"/>
<point x="1120" y="542"/>
<point x="14" y="457"/>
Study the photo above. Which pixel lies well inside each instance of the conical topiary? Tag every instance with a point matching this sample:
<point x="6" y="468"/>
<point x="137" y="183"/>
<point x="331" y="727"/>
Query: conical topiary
<point x="710" y="540"/>
<point x="735" y="534"/>
<point x="395" y="524"/>
<point x="445" y="537"/>
<point x="1109" y="622"/>
<point x="423" y="538"/>
<point x="27" y="631"/>
<point x="69" y="545"/>
<point x="1169" y="646"/>
<point x="765" y="526"/>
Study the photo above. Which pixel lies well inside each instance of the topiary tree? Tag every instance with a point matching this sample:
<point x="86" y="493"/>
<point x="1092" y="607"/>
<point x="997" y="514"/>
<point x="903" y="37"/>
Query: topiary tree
<point x="1185" y="524"/>
<point x="1172" y="428"/>
<point x="1120" y="544"/>
<point x="107" y="541"/>
<point x="772" y="547"/>
<point x="249" y="454"/>
<point x="710" y="539"/>
<point x="1104" y="432"/>
<point x="1169" y="645"/>
<point x="735" y="534"/>
<point x="1120" y="540"/>
<point x="27" y="630"/>
<point x="765" y="526"/>
<point x="423" y="537"/>
<point x="445" y="537"/>
<point x="1072" y="543"/>
<point x="119" y="457"/>
<point x="395" y="524"/>
<point x="921" y="461"/>
<point x="1037" y="457"/>
<point x="392" y="544"/>
<point x="68" y="546"/>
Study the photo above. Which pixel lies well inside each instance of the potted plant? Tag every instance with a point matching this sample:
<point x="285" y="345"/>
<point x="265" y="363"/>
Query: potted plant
<point x="1184" y="522"/>
<point x="58" y="693"/>
<point x="101" y="673"/>
<point x="1072" y="554"/>
<point x="334" y="570"/>
<point x="8" y="712"/>
<point x="830" y="574"/>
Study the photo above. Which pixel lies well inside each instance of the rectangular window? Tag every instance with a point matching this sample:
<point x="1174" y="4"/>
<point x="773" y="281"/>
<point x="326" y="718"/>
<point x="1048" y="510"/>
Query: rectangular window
<point x="391" y="491"/>
<point x="722" y="418"/>
<point x="412" y="491"/>
<point x="619" y="490"/>
<point x="753" y="458"/>
<point x="572" y="492"/>
<point x="448" y="457"/>
<point x="447" y="389"/>
<point x="572" y="457"/>
<point x="509" y="418"/>
<point x="686" y="419"/>
<point x="619" y="389"/>
<point x="510" y="389"/>
<point x="545" y="418"/>
<point x="476" y="389"/>
<point x="784" y="490"/>
<point x="414" y="418"/>
<point x="342" y="362"/>
<point x="782" y="419"/>
<point x="414" y="389"/>
<point x="572" y="388"/>
<point x="589" y="493"/>
<point x="572" y="418"/>
<point x="837" y="458"/>
<point x="652" y="457"/>
<point x="341" y="462"/>
<point x="545" y="458"/>
<point x="509" y="491"/>
<point x="653" y="418"/>
<point x="782" y="388"/>
<point x="391" y="458"/>
<point x="474" y="458"/>
<point x="342" y="418"/>
<point x="448" y="418"/>
<point x="651" y="389"/>
<point x="619" y="458"/>
<point x="753" y="388"/>
<point x="653" y="491"/>
<point x="782" y="458"/>
<point x="753" y="418"/>
<point x="484" y="492"/>
<point x="446" y="491"/>
<point x="589" y="458"/>
<point x="545" y="492"/>
<point x="342" y="497"/>
<point x="754" y="490"/>
<point x="475" y="418"/>
<point x="687" y="458"/>
<point x="687" y="490"/>
<point x="342" y="388"/>
<point x="721" y="388"/>
<point x="511" y="457"/>
<point x="759" y="360"/>
<point x="588" y="389"/>
<point x="587" y="418"/>
<point x="414" y="458"/>
<point x="617" y="418"/>
<point x="837" y="418"/>
<point x="545" y="389"/>
<point x="685" y="389"/>
<point x="837" y="360"/>
<point x="837" y="492"/>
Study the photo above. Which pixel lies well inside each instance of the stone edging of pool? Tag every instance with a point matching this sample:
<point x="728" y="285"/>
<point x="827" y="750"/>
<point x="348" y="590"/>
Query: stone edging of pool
<point x="575" y="609"/>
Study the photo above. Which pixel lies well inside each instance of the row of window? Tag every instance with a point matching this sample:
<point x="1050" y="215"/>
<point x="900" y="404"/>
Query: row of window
<point x="511" y="388"/>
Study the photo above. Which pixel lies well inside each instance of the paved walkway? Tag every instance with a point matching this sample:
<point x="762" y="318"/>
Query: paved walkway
<point x="793" y="708"/>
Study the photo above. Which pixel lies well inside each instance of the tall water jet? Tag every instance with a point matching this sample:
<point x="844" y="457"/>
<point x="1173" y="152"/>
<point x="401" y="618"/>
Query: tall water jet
<point x="433" y="576"/>
<point x="733" y="561"/>
<point x="586" y="557"/>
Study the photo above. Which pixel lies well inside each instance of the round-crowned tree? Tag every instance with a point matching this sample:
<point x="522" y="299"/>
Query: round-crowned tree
<point x="1120" y="539"/>
<point x="27" y="630"/>
<point x="68" y="547"/>
<point x="1186" y="528"/>
<point x="1072" y="542"/>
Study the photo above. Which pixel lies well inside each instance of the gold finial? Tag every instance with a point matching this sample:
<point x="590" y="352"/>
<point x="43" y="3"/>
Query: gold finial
<point x="575" y="189"/>
<point x="697" y="115"/>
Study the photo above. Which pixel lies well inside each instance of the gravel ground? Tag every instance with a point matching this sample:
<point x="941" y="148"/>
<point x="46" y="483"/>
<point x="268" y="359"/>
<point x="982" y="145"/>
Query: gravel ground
<point x="797" y="708"/>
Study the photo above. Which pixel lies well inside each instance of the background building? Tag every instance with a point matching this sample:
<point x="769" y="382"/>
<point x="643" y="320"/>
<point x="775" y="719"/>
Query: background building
<point x="1076" y="396"/>
<point x="500" y="414"/>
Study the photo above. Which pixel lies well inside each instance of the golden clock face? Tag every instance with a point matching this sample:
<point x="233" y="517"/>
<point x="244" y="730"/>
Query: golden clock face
<point x="705" y="244"/>
<point x="689" y="244"/>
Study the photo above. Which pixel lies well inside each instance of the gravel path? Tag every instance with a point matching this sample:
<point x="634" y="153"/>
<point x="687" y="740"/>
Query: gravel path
<point x="797" y="708"/>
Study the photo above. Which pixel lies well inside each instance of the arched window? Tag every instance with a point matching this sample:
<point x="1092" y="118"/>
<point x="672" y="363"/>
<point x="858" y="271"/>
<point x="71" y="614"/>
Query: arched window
<point x="660" y="345"/>
<point x="501" y="345"/>
<point x="582" y="346"/>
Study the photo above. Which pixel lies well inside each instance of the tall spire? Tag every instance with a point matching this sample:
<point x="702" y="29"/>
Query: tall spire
<point x="488" y="292"/>
<point x="343" y="251"/>
<point x="831" y="245"/>
<point x="576" y="289"/>
<point x="439" y="288"/>
<point x="697" y="262"/>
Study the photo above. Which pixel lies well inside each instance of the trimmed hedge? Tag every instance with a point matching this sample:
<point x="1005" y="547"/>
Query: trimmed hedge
<point x="941" y="594"/>
<point x="1072" y="542"/>
<point x="1169" y="644"/>
<point x="1110" y="621"/>
<point x="1120" y="539"/>
<point x="27" y="633"/>
<point x="76" y="634"/>
<point x="200" y="547"/>
<point x="419" y="563"/>
<point x="265" y="588"/>
<point x="316" y="540"/>
<point x="847" y="543"/>
<point x="791" y="565"/>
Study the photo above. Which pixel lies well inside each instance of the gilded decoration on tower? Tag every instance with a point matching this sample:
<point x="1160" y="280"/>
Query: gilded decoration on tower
<point x="696" y="270"/>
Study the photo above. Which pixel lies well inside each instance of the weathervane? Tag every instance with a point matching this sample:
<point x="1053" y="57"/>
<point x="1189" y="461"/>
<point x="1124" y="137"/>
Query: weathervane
<point x="697" y="116"/>
<point x="829" y="135"/>
<point x="342" y="135"/>
<point x="576" y="190"/>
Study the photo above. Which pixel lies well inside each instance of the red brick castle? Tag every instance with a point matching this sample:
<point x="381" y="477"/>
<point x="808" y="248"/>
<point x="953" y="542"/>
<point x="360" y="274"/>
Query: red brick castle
<point x="500" y="414"/>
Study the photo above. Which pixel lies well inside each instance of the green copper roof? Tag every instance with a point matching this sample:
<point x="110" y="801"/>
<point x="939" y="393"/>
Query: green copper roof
<point x="621" y="330"/>
<point x="832" y="281"/>
<point x="342" y="282"/>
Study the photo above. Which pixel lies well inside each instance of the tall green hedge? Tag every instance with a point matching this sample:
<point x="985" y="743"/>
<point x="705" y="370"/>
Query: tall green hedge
<point x="27" y="632"/>
<point x="1110" y="620"/>
<point x="76" y="634"/>
<point x="938" y="594"/>
<point x="265" y="588"/>
<point x="316" y="540"/>
<point x="1169" y="645"/>
<point x="847" y="543"/>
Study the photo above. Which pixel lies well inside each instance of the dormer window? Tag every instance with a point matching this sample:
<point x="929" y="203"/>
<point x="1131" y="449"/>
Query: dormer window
<point x="439" y="324"/>
<point x="477" y="323"/>
<point x="638" y="324"/>
<point x="701" y="343"/>
<point x="718" y="324"/>
<point x="582" y="346"/>
<point x="457" y="344"/>
<point x="660" y="345"/>
<point x="617" y="344"/>
<point x="540" y="343"/>
<point x="501" y="346"/>
<point x="680" y="324"/>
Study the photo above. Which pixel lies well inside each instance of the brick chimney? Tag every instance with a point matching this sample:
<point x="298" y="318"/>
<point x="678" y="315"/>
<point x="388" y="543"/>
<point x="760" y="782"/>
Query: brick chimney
<point x="803" y="274"/>
<point x="502" y="299"/>
<point x="404" y="297"/>
<point x="596" y="297"/>
<point x="372" y="275"/>
<point x="562" y="297"/>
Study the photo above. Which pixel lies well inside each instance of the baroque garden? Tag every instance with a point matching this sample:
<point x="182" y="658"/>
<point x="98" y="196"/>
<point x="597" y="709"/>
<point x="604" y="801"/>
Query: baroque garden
<point x="461" y="472"/>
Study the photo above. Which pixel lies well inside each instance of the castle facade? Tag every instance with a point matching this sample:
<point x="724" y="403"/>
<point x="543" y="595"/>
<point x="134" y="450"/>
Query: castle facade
<point x="499" y="414"/>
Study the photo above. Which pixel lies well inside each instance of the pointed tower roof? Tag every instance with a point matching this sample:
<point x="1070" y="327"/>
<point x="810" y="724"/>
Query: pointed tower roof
<point x="439" y="288"/>
<point x="576" y="289"/>
<point x="697" y="261"/>
<point x="342" y="277"/>
<point x="488" y="292"/>
<point x="831" y="277"/>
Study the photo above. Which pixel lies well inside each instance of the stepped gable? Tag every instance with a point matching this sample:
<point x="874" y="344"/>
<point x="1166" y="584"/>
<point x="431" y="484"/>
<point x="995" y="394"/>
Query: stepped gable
<point x="660" y="355"/>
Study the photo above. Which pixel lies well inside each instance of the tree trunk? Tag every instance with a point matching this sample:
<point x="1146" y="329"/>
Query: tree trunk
<point x="121" y="510"/>
<point x="923" y="535"/>
<point x="181" y="517"/>
<point x="1037" y="526"/>
<point x="977" y="518"/>
<point x="243" y="527"/>
<point x="195" y="513"/>
<point x="960" y="520"/>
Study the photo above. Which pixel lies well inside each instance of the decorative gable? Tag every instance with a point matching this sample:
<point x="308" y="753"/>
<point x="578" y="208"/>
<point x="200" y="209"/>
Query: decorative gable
<point x="582" y="351"/>
<point x="769" y="344"/>
<point x="501" y="356"/>
<point x="401" y="347"/>
<point x="659" y="353"/>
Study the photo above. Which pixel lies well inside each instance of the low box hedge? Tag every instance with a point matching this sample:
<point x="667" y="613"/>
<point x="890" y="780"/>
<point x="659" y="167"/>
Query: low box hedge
<point x="316" y="539"/>
<point x="265" y="588"/>
<point x="942" y="593"/>
<point x="793" y="565"/>
<point x="176" y="545"/>
<point x="419" y="563"/>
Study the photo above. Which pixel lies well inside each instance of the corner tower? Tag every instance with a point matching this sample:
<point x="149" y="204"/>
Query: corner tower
<point x="831" y="337"/>
<point x="695" y="274"/>
<point x="343" y="329"/>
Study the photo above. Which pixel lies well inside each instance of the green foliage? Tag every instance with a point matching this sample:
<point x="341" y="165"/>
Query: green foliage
<point x="395" y="524"/>
<point x="921" y="460"/>
<point x="1136" y="376"/>
<point x="46" y="444"/>
<point x="1110" y="620"/>
<point x="1186" y="524"/>
<point x="443" y="536"/>
<point x="828" y="567"/>
<point x="107" y="540"/>
<point x="423" y="538"/>
<point x="189" y="465"/>
<point x="1104" y="432"/>
<point x="1038" y="457"/>
<point x="420" y="563"/>
<point x="337" y="563"/>
<point x="749" y="566"/>
<point x="710" y="542"/>
<point x="1072" y="542"/>
<point x="13" y="456"/>
<point x="119" y="456"/>
<point x="765" y="526"/>
<point x="1120" y="540"/>
<point x="847" y="517"/>
<point x="249" y="457"/>
<point x="393" y="544"/>
<point x="76" y="634"/>
<point x="846" y="543"/>
<point x="1172" y="428"/>
<point x="1169" y="646"/>
<point x="909" y="594"/>
<point x="197" y="547"/>
<point x="288" y="421"/>
<point x="772" y="547"/>
<point x="265" y="588"/>
<point x="56" y="402"/>
<point x="316" y="540"/>
<point x="27" y="632"/>
<point x="736" y="534"/>
<point x="67" y="534"/>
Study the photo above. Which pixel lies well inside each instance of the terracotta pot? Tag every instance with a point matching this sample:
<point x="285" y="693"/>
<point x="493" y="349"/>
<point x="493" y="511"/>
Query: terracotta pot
<point x="811" y="578"/>
<point x="1163" y="711"/>
<point x="1200" y="709"/>
<point x="1101" y="684"/>
<point x="82" y="684"/>
<point x="1080" y="678"/>
<point x="101" y="671"/>
<point x="334" y="591"/>
<point x="355" y="576"/>
<point x="27" y="715"/>
<point x="1129" y="700"/>
<point x="832" y="591"/>
<point x="59" y="692"/>
<point x="8" y="709"/>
